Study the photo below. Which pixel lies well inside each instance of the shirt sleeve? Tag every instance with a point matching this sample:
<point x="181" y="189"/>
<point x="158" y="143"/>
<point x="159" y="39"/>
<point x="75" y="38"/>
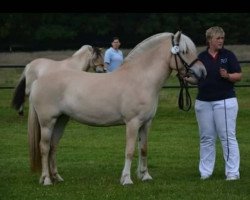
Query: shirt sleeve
<point x="234" y="64"/>
<point x="107" y="57"/>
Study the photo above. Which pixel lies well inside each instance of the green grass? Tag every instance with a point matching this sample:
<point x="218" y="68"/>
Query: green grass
<point x="90" y="159"/>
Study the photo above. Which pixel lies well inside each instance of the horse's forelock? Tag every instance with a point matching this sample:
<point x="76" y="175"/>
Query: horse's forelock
<point x="97" y="51"/>
<point x="186" y="44"/>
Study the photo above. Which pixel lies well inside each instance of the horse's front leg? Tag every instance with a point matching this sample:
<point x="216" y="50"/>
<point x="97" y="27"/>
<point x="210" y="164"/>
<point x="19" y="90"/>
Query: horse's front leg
<point x="142" y="170"/>
<point x="131" y="135"/>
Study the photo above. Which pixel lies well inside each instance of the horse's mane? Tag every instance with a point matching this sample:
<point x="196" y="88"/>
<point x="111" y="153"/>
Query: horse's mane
<point x="94" y="50"/>
<point x="97" y="51"/>
<point x="185" y="44"/>
<point x="82" y="49"/>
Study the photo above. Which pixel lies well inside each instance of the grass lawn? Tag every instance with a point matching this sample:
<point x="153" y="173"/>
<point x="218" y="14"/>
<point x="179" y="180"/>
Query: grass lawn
<point x="90" y="159"/>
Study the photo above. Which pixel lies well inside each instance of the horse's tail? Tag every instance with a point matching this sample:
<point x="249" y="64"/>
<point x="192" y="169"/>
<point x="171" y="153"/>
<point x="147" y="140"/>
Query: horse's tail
<point x="19" y="95"/>
<point x="34" y="135"/>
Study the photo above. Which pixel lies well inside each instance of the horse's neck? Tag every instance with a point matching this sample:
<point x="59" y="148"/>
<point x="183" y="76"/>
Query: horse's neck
<point x="80" y="61"/>
<point x="153" y="67"/>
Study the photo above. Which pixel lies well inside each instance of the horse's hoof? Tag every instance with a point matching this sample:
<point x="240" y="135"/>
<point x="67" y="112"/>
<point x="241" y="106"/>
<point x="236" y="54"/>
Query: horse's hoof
<point x="58" y="178"/>
<point x="47" y="181"/>
<point x="146" y="177"/>
<point x="126" y="180"/>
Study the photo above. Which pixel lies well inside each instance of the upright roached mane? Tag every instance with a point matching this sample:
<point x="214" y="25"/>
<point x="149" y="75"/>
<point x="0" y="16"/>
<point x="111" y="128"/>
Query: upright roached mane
<point x="131" y="98"/>
<point x="185" y="45"/>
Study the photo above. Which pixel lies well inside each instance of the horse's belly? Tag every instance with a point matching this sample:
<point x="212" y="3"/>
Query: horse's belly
<point x="95" y="117"/>
<point x="93" y="121"/>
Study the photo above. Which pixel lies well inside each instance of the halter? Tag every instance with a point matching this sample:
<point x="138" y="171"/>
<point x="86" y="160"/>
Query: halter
<point x="176" y="51"/>
<point x="184" y="85"/>
<point x="97" y="66"/>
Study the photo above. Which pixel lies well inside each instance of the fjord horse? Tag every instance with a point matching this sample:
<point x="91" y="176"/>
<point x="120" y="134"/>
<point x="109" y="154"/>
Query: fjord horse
<point x="82" y="60"/>
<point x="128" y="96"/>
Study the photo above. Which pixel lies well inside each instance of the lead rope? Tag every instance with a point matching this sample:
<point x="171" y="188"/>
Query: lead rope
<point x="184" y="100"/>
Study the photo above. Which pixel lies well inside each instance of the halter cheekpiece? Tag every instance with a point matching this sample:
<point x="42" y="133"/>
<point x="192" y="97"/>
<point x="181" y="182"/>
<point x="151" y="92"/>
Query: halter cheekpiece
<point x="184" y="101"/>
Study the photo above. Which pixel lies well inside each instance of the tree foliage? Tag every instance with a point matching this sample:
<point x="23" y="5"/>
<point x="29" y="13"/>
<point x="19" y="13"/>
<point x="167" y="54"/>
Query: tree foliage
<point x="65" y="29"/>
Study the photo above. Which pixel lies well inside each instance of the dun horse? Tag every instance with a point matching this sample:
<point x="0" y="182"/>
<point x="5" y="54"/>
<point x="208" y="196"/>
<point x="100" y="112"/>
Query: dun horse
<point x="130" y="99"/>
<point x="85" y="58"/>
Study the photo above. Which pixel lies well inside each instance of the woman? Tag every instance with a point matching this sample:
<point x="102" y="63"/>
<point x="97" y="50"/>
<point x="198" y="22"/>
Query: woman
<point x="113" y="57"/>
<point x="216" y="106"/>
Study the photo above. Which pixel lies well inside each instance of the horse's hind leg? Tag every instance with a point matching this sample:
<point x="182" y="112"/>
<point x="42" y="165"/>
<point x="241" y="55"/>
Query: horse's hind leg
<point x="131" y="135"/>
<point x="56" y="136"/>
<point x="46" y="134"/>
<point x="142" y="171"/>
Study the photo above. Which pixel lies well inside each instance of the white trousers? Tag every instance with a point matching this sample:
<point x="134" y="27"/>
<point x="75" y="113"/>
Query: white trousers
<point x="218" y="118"/>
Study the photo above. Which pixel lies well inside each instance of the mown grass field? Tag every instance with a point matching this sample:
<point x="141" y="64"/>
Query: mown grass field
<point x="91" y="159"/>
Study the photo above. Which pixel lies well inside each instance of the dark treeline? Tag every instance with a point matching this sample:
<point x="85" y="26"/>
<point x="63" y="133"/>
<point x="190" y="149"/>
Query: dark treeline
<point x="53" y="31"/>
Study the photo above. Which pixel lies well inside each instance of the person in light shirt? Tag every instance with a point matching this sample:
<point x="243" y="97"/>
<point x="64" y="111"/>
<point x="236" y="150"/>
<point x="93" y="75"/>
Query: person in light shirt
<point x="113" y="57"/>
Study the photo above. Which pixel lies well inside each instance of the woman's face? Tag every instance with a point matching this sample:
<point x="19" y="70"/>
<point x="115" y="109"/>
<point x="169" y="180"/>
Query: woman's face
<point x="116" y="44"/>
<point x="217" y="41"/>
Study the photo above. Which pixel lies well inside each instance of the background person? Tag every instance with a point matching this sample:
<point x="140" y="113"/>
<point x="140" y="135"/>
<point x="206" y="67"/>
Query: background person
<point x="216" y="106"/>
<point x="113" y="57"/>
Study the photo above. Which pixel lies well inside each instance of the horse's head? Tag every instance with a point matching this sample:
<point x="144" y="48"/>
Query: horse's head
<point x="185" y="59"/>
<point x="97" y="62"/>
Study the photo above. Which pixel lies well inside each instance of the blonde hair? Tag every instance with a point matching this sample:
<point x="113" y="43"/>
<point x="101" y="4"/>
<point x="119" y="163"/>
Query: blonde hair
<point x="214" y="31"/>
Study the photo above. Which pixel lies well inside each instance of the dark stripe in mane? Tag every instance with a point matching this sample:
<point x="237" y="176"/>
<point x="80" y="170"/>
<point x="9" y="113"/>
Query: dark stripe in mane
<point x="97" y="51"/>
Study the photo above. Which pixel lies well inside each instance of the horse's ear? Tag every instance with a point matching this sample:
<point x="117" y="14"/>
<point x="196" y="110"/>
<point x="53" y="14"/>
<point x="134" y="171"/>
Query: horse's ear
<point x="177" y="37"/>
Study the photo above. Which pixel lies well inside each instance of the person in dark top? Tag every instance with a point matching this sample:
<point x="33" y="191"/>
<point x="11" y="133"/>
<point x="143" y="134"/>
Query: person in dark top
<point x="216" y="106"/>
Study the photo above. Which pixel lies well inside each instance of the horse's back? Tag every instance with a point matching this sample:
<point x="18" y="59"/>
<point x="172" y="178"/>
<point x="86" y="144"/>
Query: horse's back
<point x="41" y="65"/>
